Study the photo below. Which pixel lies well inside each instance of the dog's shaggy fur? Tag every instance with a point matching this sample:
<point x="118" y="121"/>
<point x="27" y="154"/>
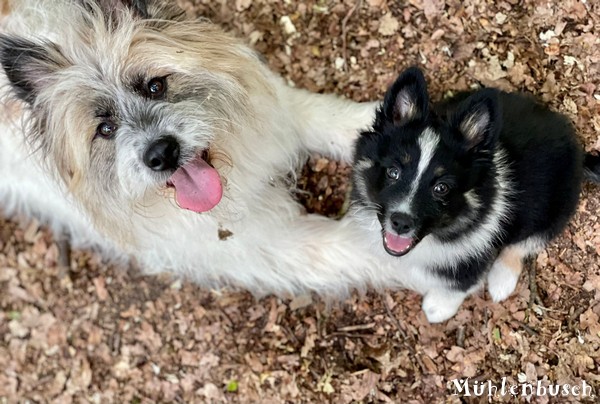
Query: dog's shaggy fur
<point x="73" y="66"/>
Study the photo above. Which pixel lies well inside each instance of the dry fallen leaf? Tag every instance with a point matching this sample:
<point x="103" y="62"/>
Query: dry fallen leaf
<point x="388" y="25"/>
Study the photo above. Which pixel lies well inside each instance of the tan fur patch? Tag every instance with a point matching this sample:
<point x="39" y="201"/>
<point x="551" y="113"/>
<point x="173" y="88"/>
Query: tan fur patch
<point x="512" y="258"/>
<point x="4" y="8"/>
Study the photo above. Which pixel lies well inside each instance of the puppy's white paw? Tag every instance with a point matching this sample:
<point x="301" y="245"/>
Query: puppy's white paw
<point x="502" y="281"/>
<point x="439" y="306"/>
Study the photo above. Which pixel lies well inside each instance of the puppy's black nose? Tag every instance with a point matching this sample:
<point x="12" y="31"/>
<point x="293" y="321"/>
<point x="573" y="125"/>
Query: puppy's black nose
<point x="163" y="154"/>
<point x="402" y="223"/>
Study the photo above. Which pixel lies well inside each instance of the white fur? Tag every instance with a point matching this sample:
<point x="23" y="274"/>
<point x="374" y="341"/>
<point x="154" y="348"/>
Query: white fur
<point x="359" y="179"/>
<point x="502" y="281"/>
<point x="25" y="188"/>
<point x="428" y="142"/>
<point x="274" y="246"/>
<point x="441" y="304"/>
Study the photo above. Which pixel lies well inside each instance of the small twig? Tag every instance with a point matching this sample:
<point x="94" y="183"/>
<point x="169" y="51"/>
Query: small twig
<point x="116" y="343"/>
<point x="345" y="32"/>
<point x="358" y="327"/>
<point x="64" y="256"/>
<point x="549" y="310"/>
<point x="460" y="337"/>
<point x="290" y="334"/>
<point x="394" y="319"/>
<point x="529" y="330"/>
<point x="226" y="316"/>
<point x="409" y="342"/>
<point x="590" y="13"/>
<point x="576" y="314"/>
<point x="348" y="335"/>
<point x="534" y="297"/>
<point x="360" y="372"/>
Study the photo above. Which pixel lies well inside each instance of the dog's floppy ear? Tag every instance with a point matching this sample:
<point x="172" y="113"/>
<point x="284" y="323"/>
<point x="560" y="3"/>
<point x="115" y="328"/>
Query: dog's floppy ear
<point x="407" y="100"/>
<point x="478" y="120"/>
<point x="29" y="65"/>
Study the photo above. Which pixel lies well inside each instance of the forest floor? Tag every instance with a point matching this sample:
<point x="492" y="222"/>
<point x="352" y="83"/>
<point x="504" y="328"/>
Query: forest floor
<point x="98" y="333"/>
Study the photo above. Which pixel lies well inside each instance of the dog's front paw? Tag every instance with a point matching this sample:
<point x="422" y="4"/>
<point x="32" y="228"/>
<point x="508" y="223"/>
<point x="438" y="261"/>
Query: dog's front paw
<point x="502" y="281"/>
<point x="439" y="307"/>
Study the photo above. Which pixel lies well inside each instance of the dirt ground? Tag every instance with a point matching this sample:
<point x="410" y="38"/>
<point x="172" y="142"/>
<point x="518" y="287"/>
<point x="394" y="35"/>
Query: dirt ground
<point x="95" y="333"/>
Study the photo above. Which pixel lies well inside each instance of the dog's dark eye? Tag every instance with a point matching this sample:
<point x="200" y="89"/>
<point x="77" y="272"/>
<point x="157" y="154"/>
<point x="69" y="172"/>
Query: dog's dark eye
<point x="157" y="87"/>
<point x="106" y="130"/>
<point x="393" y="173"/>
<point x="441" y="189"/>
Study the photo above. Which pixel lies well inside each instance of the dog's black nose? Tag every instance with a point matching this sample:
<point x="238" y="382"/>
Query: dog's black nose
<point x="402" y="223"/>
<point x="163" y="154"/>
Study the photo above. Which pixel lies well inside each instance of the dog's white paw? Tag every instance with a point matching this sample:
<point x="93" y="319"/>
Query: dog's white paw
<point x="502" y="281"/>
<point x="439" y="306"/>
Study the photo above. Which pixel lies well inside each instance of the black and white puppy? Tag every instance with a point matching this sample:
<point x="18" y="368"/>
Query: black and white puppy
<point x="466" y="189"/>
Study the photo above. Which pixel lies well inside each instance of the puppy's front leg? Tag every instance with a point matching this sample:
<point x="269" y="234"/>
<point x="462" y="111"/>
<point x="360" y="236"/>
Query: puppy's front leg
<point x="328" y="124"/>
<point x="504" y="275"/>
<point x="441" y="304"/>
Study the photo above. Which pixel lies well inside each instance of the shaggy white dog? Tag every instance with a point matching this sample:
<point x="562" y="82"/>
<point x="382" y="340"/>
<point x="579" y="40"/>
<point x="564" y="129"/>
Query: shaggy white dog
<point x="149" y="135"/>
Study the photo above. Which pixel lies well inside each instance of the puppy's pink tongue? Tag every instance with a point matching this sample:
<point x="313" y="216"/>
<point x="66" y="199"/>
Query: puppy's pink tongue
<point x="197" y="186"/>
<point x="398" y="244"/>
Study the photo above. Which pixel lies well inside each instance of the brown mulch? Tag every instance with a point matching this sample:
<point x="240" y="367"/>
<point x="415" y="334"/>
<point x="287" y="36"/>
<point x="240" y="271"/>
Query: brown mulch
<point x="95" y="333"/>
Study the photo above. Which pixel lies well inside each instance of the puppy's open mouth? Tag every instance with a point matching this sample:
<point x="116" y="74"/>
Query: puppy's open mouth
<point x="197" y="184"/>
<point x="398" y="245"/>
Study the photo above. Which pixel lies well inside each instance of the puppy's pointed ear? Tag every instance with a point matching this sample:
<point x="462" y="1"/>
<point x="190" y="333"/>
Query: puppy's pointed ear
<point x="478" y="120"/>
<point x="29" y="65"/>
<point x="407" y="100"/>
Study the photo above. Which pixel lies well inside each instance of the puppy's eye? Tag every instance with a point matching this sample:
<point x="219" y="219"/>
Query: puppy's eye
<point x="441" y="189"/>
<point x="157" y="87"/>
<point x="106" y="130"/>
<point x="393" y="173"/>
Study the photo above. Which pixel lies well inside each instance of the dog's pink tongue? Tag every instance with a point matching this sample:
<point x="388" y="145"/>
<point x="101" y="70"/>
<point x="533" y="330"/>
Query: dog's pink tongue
<point x="197" y="186"/>
<point x="397" y="243"/>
